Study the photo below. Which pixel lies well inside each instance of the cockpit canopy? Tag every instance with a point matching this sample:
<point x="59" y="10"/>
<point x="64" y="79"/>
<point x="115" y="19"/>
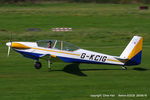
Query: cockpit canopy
<point x="57" y="44"/>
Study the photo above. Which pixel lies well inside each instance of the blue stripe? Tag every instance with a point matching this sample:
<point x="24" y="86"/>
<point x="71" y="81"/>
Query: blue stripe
<point x="34" y="56"/>
<point x="136" y="60"/>
<point x="72" y="60"/>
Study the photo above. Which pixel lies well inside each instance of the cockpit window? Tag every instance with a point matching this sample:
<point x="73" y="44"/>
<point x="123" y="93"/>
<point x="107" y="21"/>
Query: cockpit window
<point x="57" y="44"/>
<point x="46" y="43"/>
<point x="69" y="47"/>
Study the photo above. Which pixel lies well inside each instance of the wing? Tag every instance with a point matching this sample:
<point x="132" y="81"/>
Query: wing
<point x="37" y="56"/>
<point x="50" y="57"/>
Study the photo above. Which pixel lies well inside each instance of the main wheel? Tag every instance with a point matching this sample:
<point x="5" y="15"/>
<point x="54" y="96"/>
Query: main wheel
<point x="37" y="65"/>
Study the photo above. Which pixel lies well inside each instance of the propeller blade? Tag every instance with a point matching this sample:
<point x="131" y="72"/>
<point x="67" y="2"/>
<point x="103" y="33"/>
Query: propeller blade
<point x="9" y="44"/>
<point x="8" y="51"/>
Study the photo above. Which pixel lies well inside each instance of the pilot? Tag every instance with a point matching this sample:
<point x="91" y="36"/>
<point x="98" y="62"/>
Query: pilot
<point x="49" y="44"/>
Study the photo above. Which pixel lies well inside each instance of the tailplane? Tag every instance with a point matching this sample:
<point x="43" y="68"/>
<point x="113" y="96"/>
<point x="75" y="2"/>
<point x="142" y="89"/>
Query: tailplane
<point x="133" y="51"/>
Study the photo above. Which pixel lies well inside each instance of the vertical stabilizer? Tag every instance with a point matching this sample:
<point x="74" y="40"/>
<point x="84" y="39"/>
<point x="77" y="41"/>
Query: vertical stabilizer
<point x="133" y="51"/>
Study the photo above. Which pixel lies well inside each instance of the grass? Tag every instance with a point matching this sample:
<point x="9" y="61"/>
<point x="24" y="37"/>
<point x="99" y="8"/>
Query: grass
<point x="105" y="28"/>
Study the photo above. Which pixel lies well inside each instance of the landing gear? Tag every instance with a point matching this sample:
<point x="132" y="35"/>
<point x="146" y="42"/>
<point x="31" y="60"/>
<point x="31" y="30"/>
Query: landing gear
<point x="37" y="65"/>
<point x="49" y="65"/>
<point x="124" y="68"/>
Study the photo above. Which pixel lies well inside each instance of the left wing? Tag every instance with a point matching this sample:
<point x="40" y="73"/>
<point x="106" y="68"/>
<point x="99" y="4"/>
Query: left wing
<point x="50" y="57"/>
<point x="37" y="56"/>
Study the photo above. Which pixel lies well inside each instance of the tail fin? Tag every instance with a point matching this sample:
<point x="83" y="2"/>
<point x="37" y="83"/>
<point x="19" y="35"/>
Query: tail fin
<point x="133" y="51"/>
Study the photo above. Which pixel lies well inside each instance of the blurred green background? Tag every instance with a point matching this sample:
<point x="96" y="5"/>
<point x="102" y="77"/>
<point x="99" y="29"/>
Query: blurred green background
<point x="105" y="28"/>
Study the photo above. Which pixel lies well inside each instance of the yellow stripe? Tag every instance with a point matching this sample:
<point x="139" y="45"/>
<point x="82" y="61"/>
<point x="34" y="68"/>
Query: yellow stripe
<point x="57" y="51"/>
<point x="19" y="46"/>
<point x="113" y="60"/>
<point x="136" y="49"/>
<point x="53" y="56"/>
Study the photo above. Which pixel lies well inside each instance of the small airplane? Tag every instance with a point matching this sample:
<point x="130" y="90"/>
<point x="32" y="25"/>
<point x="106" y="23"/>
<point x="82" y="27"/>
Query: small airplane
<point x="57" y="50"/>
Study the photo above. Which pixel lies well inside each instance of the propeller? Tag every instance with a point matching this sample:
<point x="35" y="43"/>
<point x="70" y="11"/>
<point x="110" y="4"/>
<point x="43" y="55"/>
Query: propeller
<point x="9" y="44"/>
<point x="8" y="51"/>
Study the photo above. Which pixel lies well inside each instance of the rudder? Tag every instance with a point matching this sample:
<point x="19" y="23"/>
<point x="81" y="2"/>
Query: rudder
<point x="133" y="51"/>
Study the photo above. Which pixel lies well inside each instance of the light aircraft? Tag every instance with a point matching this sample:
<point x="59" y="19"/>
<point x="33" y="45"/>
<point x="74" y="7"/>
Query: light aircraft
<point x="56" y="50"/>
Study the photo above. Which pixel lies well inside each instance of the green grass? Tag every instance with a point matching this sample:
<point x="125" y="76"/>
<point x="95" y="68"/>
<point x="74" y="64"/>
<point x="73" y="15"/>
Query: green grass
<point x="105" y="28"/>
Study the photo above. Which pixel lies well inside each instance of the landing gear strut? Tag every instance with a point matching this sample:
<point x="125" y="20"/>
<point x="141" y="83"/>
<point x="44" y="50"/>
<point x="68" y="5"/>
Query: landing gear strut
<point x="124" y="68"/>
<point x="37" y="65"/>
<point x="49" y="65"/>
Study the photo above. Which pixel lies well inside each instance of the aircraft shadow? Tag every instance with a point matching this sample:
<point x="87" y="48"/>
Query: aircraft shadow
<point x="73" y="69"/>
<point x="140" y="69"/>
<point x="137" y="69"/>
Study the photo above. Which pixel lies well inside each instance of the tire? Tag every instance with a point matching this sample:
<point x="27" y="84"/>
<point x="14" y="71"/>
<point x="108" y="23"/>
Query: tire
<point x="37" y="65"/>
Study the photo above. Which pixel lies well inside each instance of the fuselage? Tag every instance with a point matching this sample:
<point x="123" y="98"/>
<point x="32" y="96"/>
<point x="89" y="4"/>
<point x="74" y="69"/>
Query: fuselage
<point x="34" y="51"/>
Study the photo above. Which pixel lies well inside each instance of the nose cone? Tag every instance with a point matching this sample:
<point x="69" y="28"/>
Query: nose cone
<point x="8" y="44"/>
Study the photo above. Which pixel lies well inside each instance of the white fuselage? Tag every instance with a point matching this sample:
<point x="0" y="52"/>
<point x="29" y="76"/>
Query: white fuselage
<point x="77" y="56"/>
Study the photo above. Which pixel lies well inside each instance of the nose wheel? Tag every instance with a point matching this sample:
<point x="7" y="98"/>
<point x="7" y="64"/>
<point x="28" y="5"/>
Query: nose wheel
<point x="37" y="65"/>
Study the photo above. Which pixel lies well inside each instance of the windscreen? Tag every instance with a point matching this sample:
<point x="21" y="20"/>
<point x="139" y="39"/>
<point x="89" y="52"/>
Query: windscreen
<point x="57" y="44"/>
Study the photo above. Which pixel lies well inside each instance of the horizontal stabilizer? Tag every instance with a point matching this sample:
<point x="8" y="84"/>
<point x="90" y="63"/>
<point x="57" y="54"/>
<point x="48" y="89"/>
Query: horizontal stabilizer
<point x="123" y="60"/>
